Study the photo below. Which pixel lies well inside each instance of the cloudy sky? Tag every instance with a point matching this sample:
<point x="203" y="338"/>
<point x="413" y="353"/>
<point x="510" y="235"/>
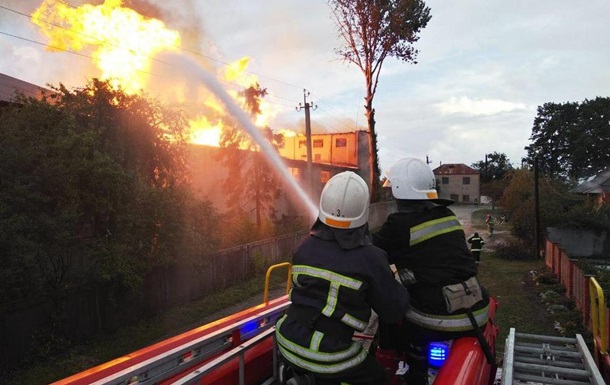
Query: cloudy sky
<point x="483" y="68"/>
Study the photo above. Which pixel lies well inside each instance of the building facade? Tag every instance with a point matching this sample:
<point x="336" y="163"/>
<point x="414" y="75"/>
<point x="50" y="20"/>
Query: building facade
<point x="458" y="182"/>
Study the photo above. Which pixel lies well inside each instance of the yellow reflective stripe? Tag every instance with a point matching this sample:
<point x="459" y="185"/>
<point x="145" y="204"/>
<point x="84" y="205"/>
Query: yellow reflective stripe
<point x="321" y="368"/>
<point x="336" y="282"/>
<point x="430" y="229"/>
<point x="316" y="340"/>
<point x="354" y="322"/>
<point x="458" y="322"/>
<point x="331" y="299"/>
<point x="327" y="275"/>
<point x="311" y="354"/>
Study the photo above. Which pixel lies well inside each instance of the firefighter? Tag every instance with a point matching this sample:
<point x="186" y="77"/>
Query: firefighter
<point x="426" y="243"/>
<point x="476" y="245"/>
<point x="338" y="276"/>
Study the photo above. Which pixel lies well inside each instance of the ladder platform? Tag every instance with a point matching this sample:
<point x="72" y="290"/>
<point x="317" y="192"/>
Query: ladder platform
<point x="539" y="359"/>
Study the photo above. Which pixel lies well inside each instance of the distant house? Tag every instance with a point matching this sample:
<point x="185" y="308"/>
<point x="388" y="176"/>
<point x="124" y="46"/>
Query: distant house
<point x="596" y="189"/>
<point x="458" y="182"/>
<point x="9" y="86"/>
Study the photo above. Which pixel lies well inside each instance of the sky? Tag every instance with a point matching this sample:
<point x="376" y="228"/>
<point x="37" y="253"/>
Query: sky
<point x="483" y="67"/>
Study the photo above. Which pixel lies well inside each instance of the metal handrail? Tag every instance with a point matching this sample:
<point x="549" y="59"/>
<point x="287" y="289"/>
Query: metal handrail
<point x="598" y="316"/>
<point x="239" y="351"/>
<point x="268" y="276"/>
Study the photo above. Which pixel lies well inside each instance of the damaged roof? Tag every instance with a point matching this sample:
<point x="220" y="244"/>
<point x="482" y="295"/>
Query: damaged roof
<point x="454" y="169"/>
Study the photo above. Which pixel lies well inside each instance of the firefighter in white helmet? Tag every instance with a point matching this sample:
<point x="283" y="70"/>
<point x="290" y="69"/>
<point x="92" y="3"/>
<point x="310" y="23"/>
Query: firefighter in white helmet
<point x="426" y="243"/>
<point x="338" y="276"/>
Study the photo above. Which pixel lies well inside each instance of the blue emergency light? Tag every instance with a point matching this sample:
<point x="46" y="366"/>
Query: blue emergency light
<point x="437" y="353"/>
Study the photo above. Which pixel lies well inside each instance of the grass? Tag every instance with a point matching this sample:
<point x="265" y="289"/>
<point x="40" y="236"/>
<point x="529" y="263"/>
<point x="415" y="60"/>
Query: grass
<point x="520" y="305"/>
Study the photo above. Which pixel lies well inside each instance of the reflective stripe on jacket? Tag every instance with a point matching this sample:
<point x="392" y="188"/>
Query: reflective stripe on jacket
<point x="449" y="323"/>
<point x="342" y="286"/>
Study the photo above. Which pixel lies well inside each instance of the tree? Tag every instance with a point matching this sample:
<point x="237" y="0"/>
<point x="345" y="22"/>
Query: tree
<point x="373" y="31"/>
<point x="571" y="139"/>
<point x="94" y="188"/>
<point x="251" y="184"/>
<point x="494" y="167"/>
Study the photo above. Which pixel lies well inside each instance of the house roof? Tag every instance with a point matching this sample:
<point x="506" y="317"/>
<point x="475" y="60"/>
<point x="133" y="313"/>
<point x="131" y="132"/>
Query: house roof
<point x="599" y="184"/>
<point x="455" y="169"/>
<point x="9" y="84"/>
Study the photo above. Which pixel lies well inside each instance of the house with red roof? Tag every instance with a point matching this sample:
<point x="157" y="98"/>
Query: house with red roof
<point x="458" y="182"/>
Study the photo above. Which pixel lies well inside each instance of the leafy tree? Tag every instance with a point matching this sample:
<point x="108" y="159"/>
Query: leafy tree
<point x="558" y="207"/>
<point x="251" y="184"/>
<point x="373" y="31"/>
<point x="494" y="167"/>
<point x="495" y="171"/>
<point x="94" y="187"/>
<point x="571" y="139"/>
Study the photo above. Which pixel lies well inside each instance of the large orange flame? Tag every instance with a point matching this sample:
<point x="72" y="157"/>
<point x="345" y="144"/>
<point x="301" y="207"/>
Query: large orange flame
<point x="123" y="40"/>
<point x="123" y="44"/>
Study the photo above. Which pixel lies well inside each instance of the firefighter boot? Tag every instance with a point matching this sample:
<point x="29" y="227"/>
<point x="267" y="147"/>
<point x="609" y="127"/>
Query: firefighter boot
<point x="416" y="357"/>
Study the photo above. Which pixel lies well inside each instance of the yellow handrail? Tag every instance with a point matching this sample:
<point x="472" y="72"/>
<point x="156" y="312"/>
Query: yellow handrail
<point x="288" y="280"/>
<point x="598" y="316"/>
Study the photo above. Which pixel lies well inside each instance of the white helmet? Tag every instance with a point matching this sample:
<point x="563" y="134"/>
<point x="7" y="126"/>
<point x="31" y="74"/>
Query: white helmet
<point x="344" y="202"/>
<point x="413" y="179"/>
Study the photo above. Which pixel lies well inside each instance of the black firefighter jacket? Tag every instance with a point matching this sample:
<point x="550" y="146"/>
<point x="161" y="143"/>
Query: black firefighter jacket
<point x="336" y="289"/>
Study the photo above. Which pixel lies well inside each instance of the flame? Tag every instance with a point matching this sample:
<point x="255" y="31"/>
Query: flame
<point x="124" y="41"/>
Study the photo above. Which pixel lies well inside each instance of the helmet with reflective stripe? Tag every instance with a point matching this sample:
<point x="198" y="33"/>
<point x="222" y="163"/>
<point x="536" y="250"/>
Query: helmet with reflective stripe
<point x="344" y="203"/>
<point x="413" y="179"/>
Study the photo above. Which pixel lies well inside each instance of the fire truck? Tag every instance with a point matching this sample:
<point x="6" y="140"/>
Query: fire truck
<point x="240" y="349"/>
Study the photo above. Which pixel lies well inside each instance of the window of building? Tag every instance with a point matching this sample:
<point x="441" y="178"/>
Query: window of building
<point x="341" y="142"/>
<point x="445" y="180"/>
<point x="295" y="172"/>
<point x="302" y="143"/>
<point x="317" y="157"/>
<point x="466" y="180"/>
<point x="465" y="198"/>
<point x="318" y="143"/>
<point x="324" y="176"/>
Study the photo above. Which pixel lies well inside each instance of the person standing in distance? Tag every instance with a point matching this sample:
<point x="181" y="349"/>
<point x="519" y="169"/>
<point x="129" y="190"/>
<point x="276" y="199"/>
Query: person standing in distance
<point x="426" y="243"/>
<point x="476" y="246"/>
<point x="338" y="276"/>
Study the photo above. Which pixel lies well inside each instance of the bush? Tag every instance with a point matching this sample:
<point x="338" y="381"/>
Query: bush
<point x="514" y="250"/>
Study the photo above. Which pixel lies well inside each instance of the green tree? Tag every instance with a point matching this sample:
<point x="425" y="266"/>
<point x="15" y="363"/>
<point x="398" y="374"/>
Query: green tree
<point x="94" y="188"/>
<point x="373" y="31"/>
<point x="251" y="185"/>
<point x="494" y="167"/>
<point x="570" y="140"/>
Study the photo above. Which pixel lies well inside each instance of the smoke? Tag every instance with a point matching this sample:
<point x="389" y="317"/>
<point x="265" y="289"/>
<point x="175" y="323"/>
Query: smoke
<point x="191" y="69"/>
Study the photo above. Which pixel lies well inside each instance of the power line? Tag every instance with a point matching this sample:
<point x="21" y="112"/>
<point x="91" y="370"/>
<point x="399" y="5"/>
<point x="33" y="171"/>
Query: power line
<point x="328" y="113"/>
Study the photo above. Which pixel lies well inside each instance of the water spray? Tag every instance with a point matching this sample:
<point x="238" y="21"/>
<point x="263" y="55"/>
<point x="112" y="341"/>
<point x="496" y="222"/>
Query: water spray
<point x="271" y="155"/>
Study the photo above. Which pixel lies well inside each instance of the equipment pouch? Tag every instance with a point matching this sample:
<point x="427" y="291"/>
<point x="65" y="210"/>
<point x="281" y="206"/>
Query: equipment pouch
<point x="462" y="295"/>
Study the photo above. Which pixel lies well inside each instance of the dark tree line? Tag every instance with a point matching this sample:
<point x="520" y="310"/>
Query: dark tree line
<point x="94" y="187"/>
<point x="571" y="140"/>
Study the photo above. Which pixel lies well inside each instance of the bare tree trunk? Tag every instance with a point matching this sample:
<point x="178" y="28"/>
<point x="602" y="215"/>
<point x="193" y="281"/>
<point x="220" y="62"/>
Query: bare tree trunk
<point x="373" y="159"/>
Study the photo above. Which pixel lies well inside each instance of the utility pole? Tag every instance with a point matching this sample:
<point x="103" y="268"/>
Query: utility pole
<point x="536" y="208"/>
<point x="307" y="106"/>
<point x="427" y="160"/>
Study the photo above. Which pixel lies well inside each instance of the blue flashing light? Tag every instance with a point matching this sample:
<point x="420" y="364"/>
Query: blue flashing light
<point x="249" y="327"/>
<point x="437" y="353"/>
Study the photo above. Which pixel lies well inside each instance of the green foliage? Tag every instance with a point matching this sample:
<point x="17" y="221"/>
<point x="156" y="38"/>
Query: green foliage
<point x="558" y="207"/>
<point x="371" y="32"/>
<point x="493" y="168"/>
<point x="514" y="249"/>
<point x="94" y="187"/>
<point x="251" y="185"/>
<point x="571" y="139"/>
